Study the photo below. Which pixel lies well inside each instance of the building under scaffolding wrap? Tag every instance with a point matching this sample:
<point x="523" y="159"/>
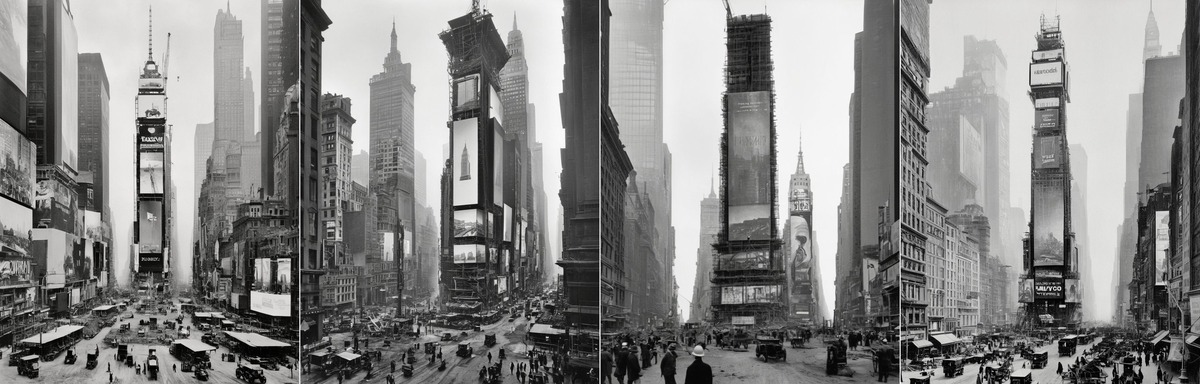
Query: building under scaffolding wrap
<point x="472" y="271"/>
<point x="749" y="280"/>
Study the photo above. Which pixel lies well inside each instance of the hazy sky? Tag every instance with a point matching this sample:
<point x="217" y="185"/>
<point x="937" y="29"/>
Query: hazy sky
<point x="118" y="31"/>
<point x="1104" y="41"/>
<point x="813" y="48"/>
<point x="360" y="37"/>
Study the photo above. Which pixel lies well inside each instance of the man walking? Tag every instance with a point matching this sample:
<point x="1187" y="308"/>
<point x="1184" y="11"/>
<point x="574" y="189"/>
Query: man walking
<point x="698" y="372"/>
<point x="668" y="366"/>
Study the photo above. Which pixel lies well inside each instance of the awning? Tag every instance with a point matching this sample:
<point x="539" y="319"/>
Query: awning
<point x="256" y="340"/>
<point x="1191" y="339"/>
<point x="194" y="345"/>
<point x="944" y="338"/>
<point x="319" y="354"/>
<point x="922" y="343"/>
<point x="1158" y="337"/>
<point x="103" y="308"/>
<point x="546" y="329"/>
<point x="348" y="356"/>
<point x="53" y="335"/>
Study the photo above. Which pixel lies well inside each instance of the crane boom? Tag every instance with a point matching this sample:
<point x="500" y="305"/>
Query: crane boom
<point x="166" y="56"/>
<point x="728" y="13"/>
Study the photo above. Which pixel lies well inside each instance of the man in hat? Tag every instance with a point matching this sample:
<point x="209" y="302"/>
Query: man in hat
<point x="698" y="372"/>
<point x="668" y="365"/>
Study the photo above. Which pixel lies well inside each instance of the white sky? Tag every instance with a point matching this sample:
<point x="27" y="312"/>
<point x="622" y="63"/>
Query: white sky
<point x="813" y="48"/>
<point x="118" y="31"/>
<point x="360" y="37"/>
<point x="1104" y="41"/>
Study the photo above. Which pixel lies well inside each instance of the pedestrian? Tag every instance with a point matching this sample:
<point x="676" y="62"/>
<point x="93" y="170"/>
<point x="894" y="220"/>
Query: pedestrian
<point x="512" y="367"/>
<point x="489" y="357"/>
<point x="110" y="377"/>
<point x="621" y="365"/>
<point x="173" y="368"/>
<point x="885" y="365"/>
<point x="635" y="371"/>
<point x="698" y="372"/>
<point x="606" y="362"/>
<point x="1060" y="368"/>
<point x="393" y="366"/>
<point x="668" y="366"/>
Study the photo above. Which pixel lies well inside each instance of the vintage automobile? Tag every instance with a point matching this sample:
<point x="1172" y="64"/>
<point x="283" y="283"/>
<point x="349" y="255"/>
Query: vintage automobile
<point x="29" y="366"/>
<point x="953" y="366"/>
<point x="1038" y="360"/>
<point x="1021" y="376"/>
<point x="92" y="360"/>
<point x="464" y="349"/>
<point x="769" y="348"/>
<point x="70" y="359"/>
<point x="201" y="374"/>
<point x="489" y="339"/>
<point x="1066" y="346"/>
<point x="250" y="375"/>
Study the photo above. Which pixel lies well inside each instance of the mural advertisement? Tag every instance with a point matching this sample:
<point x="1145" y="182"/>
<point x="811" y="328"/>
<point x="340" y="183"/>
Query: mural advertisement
<point x="1049" y="152"/>
<point x="469" y="254"/>
<point x="16" y="227"/>
<point x="749" y="173"/>
<point x="18" y="173"/>
<point x="756" y="259"/>
<point x="150" y="173"/>
<point x="1162" y="245"/>
<point x="150" y="226"/>
<point x="465" y="156"/>
<point x="1048" y="226"/>
<point x="54" y="206"/>
<point x="801" y="256"/>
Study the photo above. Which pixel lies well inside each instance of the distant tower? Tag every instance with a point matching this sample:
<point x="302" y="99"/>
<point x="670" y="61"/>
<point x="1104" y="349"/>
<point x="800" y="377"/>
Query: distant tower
<point x="153" y="210"/>
<point x="466" y="165"/>
<point x="1152" y="48"/>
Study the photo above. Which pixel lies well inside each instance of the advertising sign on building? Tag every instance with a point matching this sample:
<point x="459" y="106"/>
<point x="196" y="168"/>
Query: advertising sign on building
<point x="1048" y="54"/>
<point x="16" y="225"/>
<point x="466" y="93"/>
<point x="1046" y="73"/>
<point x="469" y="254"/>
<point x="1046" y="118"/>
<point x="1072" y="293"/>
<point x="1162" y="243"/>
<point x="1048" y="226"/>
<point x="150" y="226"/>
<point x="55" y="206"/>
<point x="498" y="168"/>
<point x="468" y="223"/>
<point x="270" y="304"/>
<point x="1048" y="288"/>
<point x="1052" y="102"/>
<point x="1048" y="152"/>
<point x="749" y="171"/>
<point x="742" y="320"/>
<point x="18" y="173"/>
<point x="150" y="136"/>
<point x="756" y="259"/>
<point x="801" y="254"/>
<point x="152" y="106"/>
<point x="14" y="49"/>
<point x="150" y="173"/>
<point x="150" y="262"/>
<point x="464" y="156"/>
<point x="1025" y="295"/>
<point x="1194" y="308"/>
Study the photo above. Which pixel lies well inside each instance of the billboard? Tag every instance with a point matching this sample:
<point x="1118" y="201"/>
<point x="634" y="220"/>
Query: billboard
<point x="55" y="206"/>
<point x="1046" y="73"/>
<point x="466" y="93"/>
<point x="150" y="226"/>
<point x="800" y="201"/>
<point x="283" y="275"/>
<point x="1048" y="288"/>
<point x="1072" y="291"/>
<point x="151" y="106"/>
<point x="733" y="295"/>
<point x="754" y="294"/>
<point x="271" y="304"/>
<point x="15" y="271"/>
<point x="55" y="247"/>
<point x="262" y="274"/>
<point x="501" y="284"/>
<point x="1048" y="226"/>
<point x="498" y="168"/>
<point x="756" y="259"/>
<point x="67" y="140"/>
<point x="465" y="156"/>
<point x="14" y="46"/>
<point x="1052" y="102"/>
<point x="18" y="172"/>
<point x="970" y="150"/>
<point x="150" y="84"/>
<point x="1046" y="118"/>
<point x="388" y="246"/>
<point x="16" y="227"/>
<point x="150" y="173"/>
<point x="150" y="262"/>
<point x="749" y="172"/>
<point x="99" y="258"/>
<point x="93" y="225"/>
<point x="1162" y="244"/>
<point x="150" y="136"/>
<point x="1025" y="291"/>
<point x="469" y="253"/>
<point x="508" y="219"/>
<point x="801" y="253"/>
<point x="1048" y="152"/>
<point x="1048" y="54"/>
<point x="495" y="106"/>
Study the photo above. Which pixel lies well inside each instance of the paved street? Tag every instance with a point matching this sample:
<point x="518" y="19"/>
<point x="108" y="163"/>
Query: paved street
<point x="57" y="372"/>
<point x="1047" y="375"/>
<point x="509" y="336"/>
<point x="806" y="365"/>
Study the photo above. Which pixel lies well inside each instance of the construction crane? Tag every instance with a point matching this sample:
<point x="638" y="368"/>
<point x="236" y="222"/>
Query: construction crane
<point x="728" y="12"/>
<point x="166" y="56"/>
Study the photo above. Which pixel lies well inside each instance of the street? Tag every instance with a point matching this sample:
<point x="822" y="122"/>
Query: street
<point x="509" y="336"/>
<point x="804" y="365"/>
<point x="1043" y="375"/>
<point x="58" y="372"/>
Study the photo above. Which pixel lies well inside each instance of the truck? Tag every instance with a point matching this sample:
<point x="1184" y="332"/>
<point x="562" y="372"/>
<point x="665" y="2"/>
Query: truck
<point x="250" y="375"/>
<point x="29" y="366"/>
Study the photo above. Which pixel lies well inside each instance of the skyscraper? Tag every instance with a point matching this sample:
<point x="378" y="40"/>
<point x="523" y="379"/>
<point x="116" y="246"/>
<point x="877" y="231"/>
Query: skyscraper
<point x="229" y="109"/>
<point x="920" y="213"/>
<point x="93" y="125"/>
<point x="804" y="285"/>
<point x="710" y="226"/>
<point x="279" y="71"/>
<point x="298" y="162"/>
<point x="392" y="151"/>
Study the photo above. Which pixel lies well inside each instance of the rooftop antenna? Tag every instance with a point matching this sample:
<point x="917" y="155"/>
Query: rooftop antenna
<point x="150" y="36"/>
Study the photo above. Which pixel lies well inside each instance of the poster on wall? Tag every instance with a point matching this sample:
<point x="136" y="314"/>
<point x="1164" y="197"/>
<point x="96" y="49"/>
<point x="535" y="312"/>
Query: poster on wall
<point x="1046" y="118"/>
<point x="18" y="173"/>
<point x="1025" y="295"/>
<point x="464" y="156"/>
<point x="54" y="246"/>
<point x="150" y="173"/>
<point x="733" y="295"/>
<point x="762" y="294"/>
<point x="1048" y="288"/>
<point x="15" y="271"/>
<point x="150" y="226"/>
<point x="84" y="265"/>
<point x="16" y="227"/>
<point x="468" y="223"/>
<point x="54" y="206"/>
<point x="262" y="274"/>
<point x="469" y="253"/>
<point x="1048" y="226"/>
<point x="800" y="201"/>
<point x="749" y="172"/>
<point x="1162" y="245"/>
<point x="801" y="253"/>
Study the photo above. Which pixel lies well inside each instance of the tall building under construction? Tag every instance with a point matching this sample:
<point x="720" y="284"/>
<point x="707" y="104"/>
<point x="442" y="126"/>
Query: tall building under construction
<point x="748" y="280"/>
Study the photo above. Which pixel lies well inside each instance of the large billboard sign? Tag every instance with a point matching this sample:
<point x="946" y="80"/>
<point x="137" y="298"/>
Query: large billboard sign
<point x="150" y="173"/>
<point x="469" y="254"/>
<point x="14" y="271"/>
<point x="1046" y="73"/>
<point x="14" y="41"/>
<point x="54" y="247"/>
<point x="801" y="254"/>
<point x="388" y="244"/>
<point x="1046" y="118"/>
<point x="466" y="93"/>
<point x="283" y="275"/>
<point x="464" y="156"/>
<point x="1162" y="243"/>
<point x="150" y="262"/>
<point x="1025" y="294"/>
<point x="508" y="219"/>
<point x="1048" y="226"/>
<point x="150" y="226"/>
<point x="16" y="228"/>
<point x="1048" y="288"/>
<point x="93" y="226"/>
<point x="498" y="168"/>
<point x="749" y="171"/>
<point x="468" y="223"/>
<point x="99" y="258"/>
<point x="152" y="106"/>
<point x="754" y="294"/>
<point x="1050" y="102"/>
<point x="756" y="259"/>
<point x="1051" y="54"/>
<point x="970" y="150"/>
<point x="1048" y="152"/>
<point x="67" y="70"/>
<point x="150" y="84"/>
<point x="1073" y="294"/>
<point x="18" y="172"/>
<point x="271" y="304"/>
<point x="801" y="201"/>
<point x="262" y="274"/>
<point x="54" y="206"/>
<point x="150" y="136"/>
